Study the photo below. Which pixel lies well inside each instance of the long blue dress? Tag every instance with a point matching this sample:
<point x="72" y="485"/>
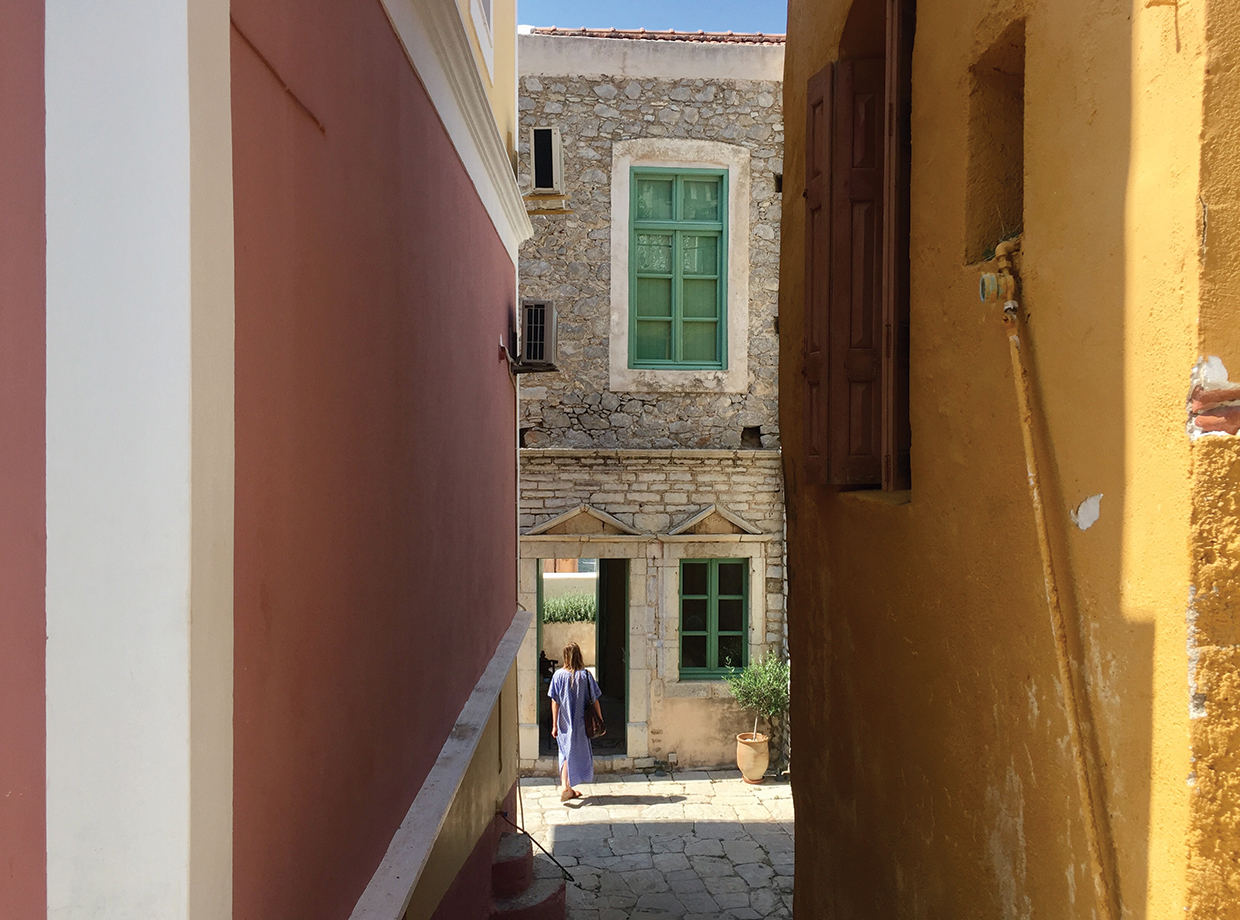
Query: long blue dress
<point x="574" y="691"/>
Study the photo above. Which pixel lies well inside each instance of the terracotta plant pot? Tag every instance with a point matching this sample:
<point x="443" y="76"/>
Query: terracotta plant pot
<point x="753" y="755"/>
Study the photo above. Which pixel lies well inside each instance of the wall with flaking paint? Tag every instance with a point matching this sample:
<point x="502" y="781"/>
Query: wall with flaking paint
<point x="933" y="774"/>
<point x="1213" y="642"/>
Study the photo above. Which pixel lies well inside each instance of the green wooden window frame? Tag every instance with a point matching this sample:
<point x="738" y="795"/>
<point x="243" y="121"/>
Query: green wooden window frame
<point x="674" y="322"/>
<point x="714" y="617"/>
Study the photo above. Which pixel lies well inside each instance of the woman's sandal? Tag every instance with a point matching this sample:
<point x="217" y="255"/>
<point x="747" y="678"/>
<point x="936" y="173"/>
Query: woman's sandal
<point x="567" y="794"/>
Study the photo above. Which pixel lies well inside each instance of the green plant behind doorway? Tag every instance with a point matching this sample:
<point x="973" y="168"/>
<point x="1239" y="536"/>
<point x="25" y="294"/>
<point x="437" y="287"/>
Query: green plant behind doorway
<point x="571" y="608"/>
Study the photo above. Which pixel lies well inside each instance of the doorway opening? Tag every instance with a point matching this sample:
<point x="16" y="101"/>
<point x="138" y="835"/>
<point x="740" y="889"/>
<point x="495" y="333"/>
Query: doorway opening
<point x="585" y="601"/>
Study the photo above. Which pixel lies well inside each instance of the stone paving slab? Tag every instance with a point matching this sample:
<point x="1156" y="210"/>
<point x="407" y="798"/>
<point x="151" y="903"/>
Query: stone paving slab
<point x="684" y="846"/>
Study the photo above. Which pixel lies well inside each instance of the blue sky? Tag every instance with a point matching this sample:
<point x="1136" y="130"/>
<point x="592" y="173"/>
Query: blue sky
<point x="684" y="15"/>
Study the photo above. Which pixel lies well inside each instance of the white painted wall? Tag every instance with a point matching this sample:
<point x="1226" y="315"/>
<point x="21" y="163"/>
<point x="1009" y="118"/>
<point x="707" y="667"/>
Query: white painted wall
<point x="562" y="584"/>
<point x="628" y="57"/>
<point x="120" y="536"/>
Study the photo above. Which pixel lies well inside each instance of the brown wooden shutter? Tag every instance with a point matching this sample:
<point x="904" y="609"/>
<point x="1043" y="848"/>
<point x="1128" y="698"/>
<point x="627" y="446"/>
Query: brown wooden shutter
<point x="897" y="433"/>
<point x="855" y="339"/>
<point x="817" y="270"/>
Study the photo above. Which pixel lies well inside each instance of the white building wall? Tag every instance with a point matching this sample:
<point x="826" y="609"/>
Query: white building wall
<point x="139" y="428"/>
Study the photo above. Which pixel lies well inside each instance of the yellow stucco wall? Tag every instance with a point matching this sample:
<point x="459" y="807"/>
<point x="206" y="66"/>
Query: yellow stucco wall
<point x="1214" y="841"/>
<point x="501" y="79"/>
<point x="933" y="774"/>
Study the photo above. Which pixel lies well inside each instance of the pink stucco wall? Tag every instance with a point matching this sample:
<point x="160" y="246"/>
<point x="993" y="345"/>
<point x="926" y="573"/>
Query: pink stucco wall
<point x="23" y="835"/>
<point x="375" y="499"/>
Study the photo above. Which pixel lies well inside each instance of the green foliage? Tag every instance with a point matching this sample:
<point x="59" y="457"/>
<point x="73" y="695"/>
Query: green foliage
<point x="763" y="686"/>
<point x="571" y="608"/>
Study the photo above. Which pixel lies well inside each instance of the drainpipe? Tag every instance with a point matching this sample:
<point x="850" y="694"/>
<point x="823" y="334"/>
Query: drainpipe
<point x="996" y="286"/>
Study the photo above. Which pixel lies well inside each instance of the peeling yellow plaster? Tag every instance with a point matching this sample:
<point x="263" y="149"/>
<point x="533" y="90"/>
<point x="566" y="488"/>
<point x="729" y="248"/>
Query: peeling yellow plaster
<point x="1214" y="659"/>
<point x="923" y="671"/>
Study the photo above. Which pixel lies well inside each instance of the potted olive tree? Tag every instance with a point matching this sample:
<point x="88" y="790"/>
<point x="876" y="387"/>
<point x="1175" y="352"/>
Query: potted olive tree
<point x="763" y="688"/>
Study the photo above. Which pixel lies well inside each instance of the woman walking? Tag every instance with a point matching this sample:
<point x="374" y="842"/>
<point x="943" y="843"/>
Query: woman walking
<point x="573" y="688"/>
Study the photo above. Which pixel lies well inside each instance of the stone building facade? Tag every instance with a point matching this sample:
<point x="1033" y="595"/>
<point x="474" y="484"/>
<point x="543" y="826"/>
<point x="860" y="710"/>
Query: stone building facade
<point x="653" y="462"/>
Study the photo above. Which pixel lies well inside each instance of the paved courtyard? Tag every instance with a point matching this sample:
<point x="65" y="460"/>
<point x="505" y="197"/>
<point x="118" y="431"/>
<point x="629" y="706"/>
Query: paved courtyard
<point x="685" y="846"/>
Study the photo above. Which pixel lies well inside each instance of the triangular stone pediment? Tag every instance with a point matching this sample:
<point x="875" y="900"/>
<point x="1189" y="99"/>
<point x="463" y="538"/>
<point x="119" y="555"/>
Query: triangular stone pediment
<point x="714" y="519"/>
<point x="583" y="519"/>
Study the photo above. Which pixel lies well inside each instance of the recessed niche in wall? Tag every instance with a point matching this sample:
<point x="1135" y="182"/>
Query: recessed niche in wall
<point x="995" y="193"/>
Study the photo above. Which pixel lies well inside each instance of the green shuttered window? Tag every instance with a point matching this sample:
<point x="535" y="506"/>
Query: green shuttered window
<point x="714" y="618"/>
<point x="678" y="268"/>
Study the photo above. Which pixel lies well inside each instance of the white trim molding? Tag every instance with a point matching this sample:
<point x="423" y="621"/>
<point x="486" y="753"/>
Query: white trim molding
<point x="681" y="154"/>
<point x="437" y="44"/>
<point x="480" y="13"/>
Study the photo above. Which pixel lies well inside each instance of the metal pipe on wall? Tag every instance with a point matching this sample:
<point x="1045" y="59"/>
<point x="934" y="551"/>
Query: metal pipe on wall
<point x="1089" y="781"/>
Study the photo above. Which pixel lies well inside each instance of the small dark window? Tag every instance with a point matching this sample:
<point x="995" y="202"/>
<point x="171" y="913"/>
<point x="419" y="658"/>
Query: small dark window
<point x="546" y="156"/>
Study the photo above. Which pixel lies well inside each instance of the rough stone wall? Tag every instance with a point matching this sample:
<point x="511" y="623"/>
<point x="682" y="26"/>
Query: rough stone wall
<point x="568" y="259"/>
<point x="653" y="491"/>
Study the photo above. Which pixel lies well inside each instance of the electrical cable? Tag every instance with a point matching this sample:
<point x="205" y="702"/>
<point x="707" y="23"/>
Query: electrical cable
<point x="567" y="875"/>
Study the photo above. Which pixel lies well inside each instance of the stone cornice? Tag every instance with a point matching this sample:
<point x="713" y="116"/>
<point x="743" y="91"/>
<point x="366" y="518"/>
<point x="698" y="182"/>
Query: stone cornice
<point x="678" y="453"/>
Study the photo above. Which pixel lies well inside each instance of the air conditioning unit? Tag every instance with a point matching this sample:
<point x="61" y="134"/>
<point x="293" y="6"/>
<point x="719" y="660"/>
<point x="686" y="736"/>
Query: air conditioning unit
<point x="536" y="339"/>
<point x="547" y="160"/>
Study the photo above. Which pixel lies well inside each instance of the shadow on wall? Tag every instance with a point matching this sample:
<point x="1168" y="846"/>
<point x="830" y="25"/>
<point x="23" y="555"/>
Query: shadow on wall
<point x="933" y="766"/>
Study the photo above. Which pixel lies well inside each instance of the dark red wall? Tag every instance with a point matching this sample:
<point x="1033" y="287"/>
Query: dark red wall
<point x="375" y="502"/>
<point x="23" y="837"/>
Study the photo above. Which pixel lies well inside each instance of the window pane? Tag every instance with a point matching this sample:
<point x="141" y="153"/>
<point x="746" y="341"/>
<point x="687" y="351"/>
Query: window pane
<point x="694" y="577"/>
<point x="654" y="253"/>
<point x="701" y="199"/>
<point x="731" y="615"/>
<point x="654" y="340"/>
<point x="654" y="199"/>
<point x="693" y="614"/>
<point x="701" y="297"/>
<point x="701" y="343"/>
<point x="700" y="254"/>
<point x="732" y="578"/>
<point x="731" y="652"/>
<point x="693" y="651"/>
<point x="653" y="297"/>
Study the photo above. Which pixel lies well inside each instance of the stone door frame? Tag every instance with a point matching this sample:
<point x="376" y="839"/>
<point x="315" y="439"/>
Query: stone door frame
<point x="654" y="565"/>
<point x="642" y="552"/>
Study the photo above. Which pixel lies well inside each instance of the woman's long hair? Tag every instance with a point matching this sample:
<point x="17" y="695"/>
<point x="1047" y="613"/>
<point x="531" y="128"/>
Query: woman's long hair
<point x="572" y="657"/>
